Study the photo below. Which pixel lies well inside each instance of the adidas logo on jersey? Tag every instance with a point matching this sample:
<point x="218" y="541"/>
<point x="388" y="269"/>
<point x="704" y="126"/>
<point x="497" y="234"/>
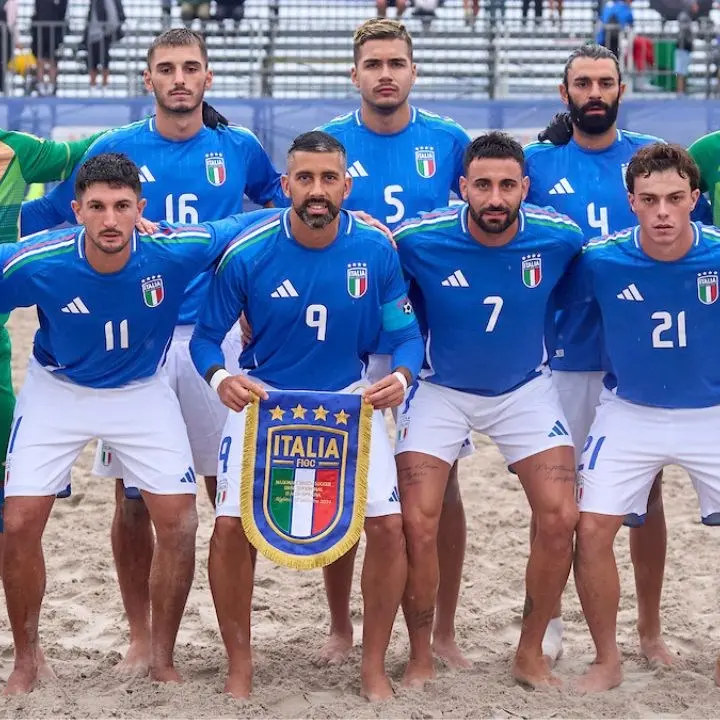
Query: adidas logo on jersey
<point x="630" y="293"/>
<point x="558" y="430"/>
<point x="357" y="170"/>
<point x="562" y="187"/>
<point x="457" y="279"/>
<point x="146" y="175"/>
<point x="284" y="290"/>
<point x="77" y="307"/>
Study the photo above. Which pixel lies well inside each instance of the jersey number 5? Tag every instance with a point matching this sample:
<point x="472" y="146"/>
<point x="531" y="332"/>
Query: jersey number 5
<point x="395" y="203"/>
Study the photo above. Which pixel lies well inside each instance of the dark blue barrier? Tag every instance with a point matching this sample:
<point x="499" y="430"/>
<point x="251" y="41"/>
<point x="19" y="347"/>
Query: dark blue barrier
<point x="276" y="122"/>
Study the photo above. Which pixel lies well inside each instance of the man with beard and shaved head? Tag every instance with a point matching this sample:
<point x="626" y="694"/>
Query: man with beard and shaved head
<point x="484" y="274"/>
<point x="190" y="173"/>
<point x="584" y="177"/>
<point x="309" y="333"/>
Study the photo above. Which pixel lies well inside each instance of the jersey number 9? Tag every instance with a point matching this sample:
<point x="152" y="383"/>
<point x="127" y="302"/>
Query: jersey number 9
<point x="316" y="317"/>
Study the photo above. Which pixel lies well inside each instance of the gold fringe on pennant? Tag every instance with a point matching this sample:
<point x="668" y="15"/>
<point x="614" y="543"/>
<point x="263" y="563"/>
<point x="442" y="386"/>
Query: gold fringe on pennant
<point x="352" y="535"/>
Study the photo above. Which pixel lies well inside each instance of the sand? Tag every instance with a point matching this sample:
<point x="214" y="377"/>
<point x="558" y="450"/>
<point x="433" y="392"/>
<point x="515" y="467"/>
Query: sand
<point x="84" y="633"/>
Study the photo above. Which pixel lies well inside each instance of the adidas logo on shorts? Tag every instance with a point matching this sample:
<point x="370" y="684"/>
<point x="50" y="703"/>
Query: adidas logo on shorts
<point x="394" y="496"/>
<point x="558" y="430"/>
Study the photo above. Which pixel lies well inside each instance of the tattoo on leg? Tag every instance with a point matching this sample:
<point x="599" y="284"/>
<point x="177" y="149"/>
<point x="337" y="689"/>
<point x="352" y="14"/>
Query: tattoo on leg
<point x="420" y="619"/>
<point x="528" y="607"/>
<point x="556" y="473"/>
<point x="417" y="473"/>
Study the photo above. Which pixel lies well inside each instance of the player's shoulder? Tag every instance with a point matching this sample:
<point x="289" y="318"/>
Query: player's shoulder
<point x="237" y="135"/>
<point x="368" y="236"/>
<point x="441" y="220"/>
<point x="551" y="224"/>
<point x="533" y="149"/>
<point x="41" y="250"/>
<point x="710" y="234"/>
<point x="639" y="139"/>
<point x="121" y="136"/>
<point x="176" y="233"/>
<point x="340" y="124"/>
<point x="609" y="247"/>
<point x="710" y="141"/>
<point x="442" y="123"/>
<point x="254" y="239"/>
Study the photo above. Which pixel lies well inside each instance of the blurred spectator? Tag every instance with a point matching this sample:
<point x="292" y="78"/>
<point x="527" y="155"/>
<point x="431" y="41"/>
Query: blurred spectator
<point x="424" y="10"/>
<point x="104" y="27"/>
<point x="230" y="10"/>
<point x="684" y="47"/>
<point x="556" y="4"/>
<point x="471" y="8"/>
<point x="399" y="5"/>
<point x="614" y="18"/>
<point x="48" y="29"/>
<point x="192" y="9"/>
<point x="496" y="11"/>
<point x="8" y="36"/>
<point x="538" y="8"/>
<point x="643" y="55"/>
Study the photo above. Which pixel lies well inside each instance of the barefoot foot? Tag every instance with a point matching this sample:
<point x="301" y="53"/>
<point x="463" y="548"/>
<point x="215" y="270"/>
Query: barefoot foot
<point x="335" y="650"/>
<point x="656" y="651"/>
<point x="534" y="672"/>
<point x="418" y="672"/>
<point x="447" y="650"/>
<point x="239" y="680"/>
<point x="21" y="681"/>
<point x="375" y="687"/>
<point x="599" y="677"/>
<point x="136" y="662"/>
<point x="165" y="673"/>
<point x="44" y="672"/>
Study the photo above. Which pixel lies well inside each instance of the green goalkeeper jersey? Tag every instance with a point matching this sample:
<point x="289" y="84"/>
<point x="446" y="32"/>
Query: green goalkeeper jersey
<point x="705" y="152"/>
<point x="26" y="159"/>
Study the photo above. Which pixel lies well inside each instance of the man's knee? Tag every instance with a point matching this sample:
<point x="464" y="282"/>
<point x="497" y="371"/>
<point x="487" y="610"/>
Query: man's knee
<point x="597" y="532"/>
<point x="556" y="527"/>
<point x="228" y="535"/>
<point x="177" y="519"/>
<point x="24" y="519"/>
<point x="385" y="534"/>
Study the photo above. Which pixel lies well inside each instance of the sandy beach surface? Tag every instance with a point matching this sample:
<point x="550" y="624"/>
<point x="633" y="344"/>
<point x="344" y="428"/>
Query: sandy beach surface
<point x="83" y="629"/>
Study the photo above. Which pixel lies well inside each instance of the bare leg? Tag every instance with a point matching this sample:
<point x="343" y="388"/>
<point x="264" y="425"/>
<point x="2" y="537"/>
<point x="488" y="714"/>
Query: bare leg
<point x="717" y="671"/>
<point x="211" y="488"/>
<point x="451" y="555"/>
<point x="648" y="547"/>
<point x="175" y="520"/>
<point x="548" y="479"/>
<point x="383" y="581"/>
<point x="421" y="480"/>
<point x="93" y="77"/>
<point x="381" y="8"/>
<point x="24" y="583"/>
<point x="338" y="579"/>
<point x="231" y="569"/>
<point x="133" y="544"/>
<point x="598" y="586"/>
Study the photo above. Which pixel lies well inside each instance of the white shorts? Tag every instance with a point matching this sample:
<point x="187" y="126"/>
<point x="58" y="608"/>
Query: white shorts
<point x="522" y="423"/>
<point x="579" y="394"/>
<point x="382" y="499"/>
<point x="631" y="443"/>
<point x="54" y="420"/>
<point x="201" y="408"/>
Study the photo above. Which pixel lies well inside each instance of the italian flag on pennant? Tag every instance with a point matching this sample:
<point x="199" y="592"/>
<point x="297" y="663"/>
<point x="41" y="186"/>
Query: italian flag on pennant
<point x="311" y="506"/>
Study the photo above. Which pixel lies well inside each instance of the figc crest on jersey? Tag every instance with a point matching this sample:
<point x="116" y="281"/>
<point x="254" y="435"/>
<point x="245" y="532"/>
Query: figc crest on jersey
<point x="623" y="170"/>
<point x="357" y="279"/>
<point x="215" y="169"/>
<point x="153" y="290"/>
<point x="425" y="161"/>
<point x="532" y="270"/>
<point x="707" y="287"/>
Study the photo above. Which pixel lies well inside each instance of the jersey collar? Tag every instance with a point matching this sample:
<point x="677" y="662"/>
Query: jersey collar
<point x="347" y="222"/>
<point x="80" y="243"/>
<point x="464" y="220"/>
<point x="358" y="117"/>
<point x="636" y="236"/>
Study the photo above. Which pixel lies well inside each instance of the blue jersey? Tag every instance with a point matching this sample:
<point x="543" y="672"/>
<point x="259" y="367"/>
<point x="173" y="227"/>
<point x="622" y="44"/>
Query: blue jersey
<point x="659" y="319"/>
<point x="485" y="308"/>
<point x="315" y="314"/>
<point x="106" y="330"/>
<point x="589" y="187"/>
<point x="189" y="181"/>
<point x="401" y="175"/>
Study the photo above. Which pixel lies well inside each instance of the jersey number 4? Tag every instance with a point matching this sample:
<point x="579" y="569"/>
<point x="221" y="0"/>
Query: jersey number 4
<point x="598" y="219"/>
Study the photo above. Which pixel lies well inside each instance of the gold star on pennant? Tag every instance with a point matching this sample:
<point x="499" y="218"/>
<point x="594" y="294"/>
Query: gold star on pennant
<point x="277" y="413"/>
<point x="341" y="417"/>
<point x="298" y="412"/>
<point x="320" y="413"/>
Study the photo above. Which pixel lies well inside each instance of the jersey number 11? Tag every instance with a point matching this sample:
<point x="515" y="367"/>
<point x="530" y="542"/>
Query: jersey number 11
<point x="110" y="338"/>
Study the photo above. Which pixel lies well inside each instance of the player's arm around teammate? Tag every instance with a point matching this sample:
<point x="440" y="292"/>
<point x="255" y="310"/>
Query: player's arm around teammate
<point x="310" y="342"/>
<point x="489" y="254"/>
